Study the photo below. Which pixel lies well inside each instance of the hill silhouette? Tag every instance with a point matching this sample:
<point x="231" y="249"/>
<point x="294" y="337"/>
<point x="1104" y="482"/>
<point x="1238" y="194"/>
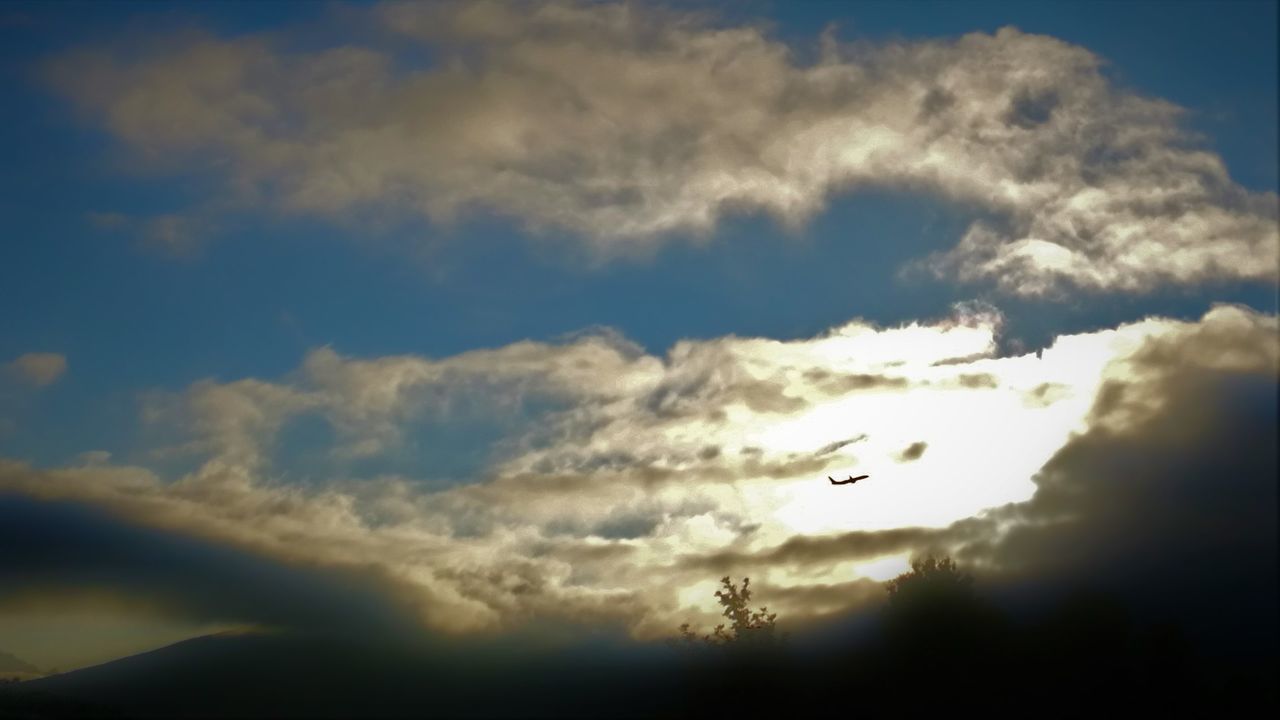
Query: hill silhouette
<point x="12" y="666"/>
<point x="937" y="646"/>
<point x="292" y="674"/>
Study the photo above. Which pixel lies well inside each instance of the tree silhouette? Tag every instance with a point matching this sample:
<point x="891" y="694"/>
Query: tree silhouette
<point x="936" y="626"/>
<point x="739" y="667"/>
<point x="932" y="583"/>
<point x="747" y="628"/>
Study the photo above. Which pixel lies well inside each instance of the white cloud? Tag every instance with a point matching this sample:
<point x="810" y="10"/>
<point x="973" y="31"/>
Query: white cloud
<point x="625" y="124"/>
<point x="39" y="369"/>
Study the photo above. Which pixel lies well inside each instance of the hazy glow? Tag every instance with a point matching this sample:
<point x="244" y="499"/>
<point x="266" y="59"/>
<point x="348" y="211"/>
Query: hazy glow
<point x="984" y="444"/>
<point x="61" y="639"/>
<point x="884" y="568"/>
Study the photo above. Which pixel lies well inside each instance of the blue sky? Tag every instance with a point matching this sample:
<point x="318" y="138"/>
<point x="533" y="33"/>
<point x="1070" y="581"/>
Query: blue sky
<point x="250" y="284"/>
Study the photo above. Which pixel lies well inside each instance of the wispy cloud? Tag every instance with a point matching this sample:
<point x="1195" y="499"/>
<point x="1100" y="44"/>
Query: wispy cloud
<point x="39" y="369"/>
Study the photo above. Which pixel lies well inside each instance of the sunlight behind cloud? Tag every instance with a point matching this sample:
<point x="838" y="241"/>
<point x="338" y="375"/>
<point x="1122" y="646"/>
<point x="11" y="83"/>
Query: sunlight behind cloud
<point x="647" y="475"/>
<point x="885" y="568"/>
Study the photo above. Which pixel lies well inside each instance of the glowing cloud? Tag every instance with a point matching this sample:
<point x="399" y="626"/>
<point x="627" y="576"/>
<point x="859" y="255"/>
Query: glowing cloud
<point x="647" y="475"/>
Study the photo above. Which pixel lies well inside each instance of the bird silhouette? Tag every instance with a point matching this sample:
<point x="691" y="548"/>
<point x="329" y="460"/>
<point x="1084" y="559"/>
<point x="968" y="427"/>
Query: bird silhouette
<point x="850" y="481"/>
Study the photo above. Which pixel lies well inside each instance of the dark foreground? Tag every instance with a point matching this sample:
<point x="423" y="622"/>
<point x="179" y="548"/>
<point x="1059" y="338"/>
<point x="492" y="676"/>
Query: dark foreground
<point x="1087" y="658"/>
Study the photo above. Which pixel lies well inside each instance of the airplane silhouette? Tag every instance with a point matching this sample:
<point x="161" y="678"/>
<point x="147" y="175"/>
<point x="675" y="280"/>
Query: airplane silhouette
<point x="850" y="481"/>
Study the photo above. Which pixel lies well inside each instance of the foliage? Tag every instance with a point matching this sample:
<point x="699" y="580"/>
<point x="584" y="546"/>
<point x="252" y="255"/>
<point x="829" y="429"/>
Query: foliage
<point x="747" y="628"/>
<point x="935" y="621"/>
<point x="740" y="667"/>
<point x="930" y="580"/>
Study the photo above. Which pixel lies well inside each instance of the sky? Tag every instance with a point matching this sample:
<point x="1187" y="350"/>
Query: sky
<point x="474" y="318"/>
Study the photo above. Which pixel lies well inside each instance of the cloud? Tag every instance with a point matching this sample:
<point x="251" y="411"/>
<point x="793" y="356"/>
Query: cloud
<point x="821" y="600"/>
<point x="1169" y="498"/>
<point x="630" y="481"/>
<point x="913" y="451"/>
<point x="76" y="555"/>
<point x="837" y="444"/>
<point x="627" y="125"/>
<point x="37" y="369"/>
<point x="857" y="381"/>
<point x="1166" y="499"/>
<point x="233" y="421"/>
<point x="599" y="506"/>
<point x="800" y="551"/>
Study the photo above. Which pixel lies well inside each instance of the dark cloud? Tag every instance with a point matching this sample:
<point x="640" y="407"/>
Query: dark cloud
<point x="809" y="551"/>
<point x="1028" y="109"/>
<point x="585" y="552"/>
<point x="1176" y="513"/>
<point x="978" y="380"/>
<point x="832" y="447"/>
<point x="821" y="600"/>
<point x="768" y="397"/>
<point x="841" y="384"/>
<point x="963" y="360"/>
<point x="1045" y="394"/>
<point x="593" y="474"/>
<point x="611" y="460"/>
<point x="646" y="473"/>
<point x="627" y="526"/>
<point x="779" y="470"/>
<point x="913" y="451"/>
<point x="690" y="396"/>
<point x="56" y="550"/>
<point x="936" y="102"/>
